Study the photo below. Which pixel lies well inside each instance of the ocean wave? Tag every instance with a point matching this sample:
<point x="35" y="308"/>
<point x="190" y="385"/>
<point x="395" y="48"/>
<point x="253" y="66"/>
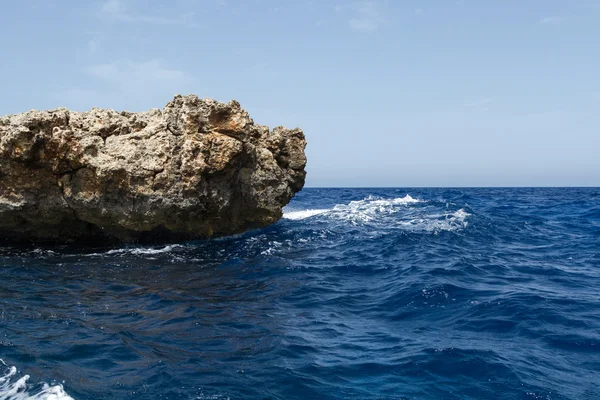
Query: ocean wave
<point x="332" y="303"/>
<point x="438" y="222"/>
<point x="139" y="251"/>
<point x="362" y="208"/>
<point x="371" y="209"/>
<point x="406" y="213"/>
<point x="300" y="215"/>
<point x="13" y="387"/>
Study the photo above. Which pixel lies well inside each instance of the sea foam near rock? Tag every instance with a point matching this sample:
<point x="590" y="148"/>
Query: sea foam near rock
<point x="14" y="386"/>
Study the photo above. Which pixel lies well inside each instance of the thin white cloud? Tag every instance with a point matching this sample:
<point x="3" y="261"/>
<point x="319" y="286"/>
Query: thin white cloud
<point x="113" y="7"/>
<point x="95" y="41"/>
<point x="363" y="25"/>
<point x="127" y="85"/>
<point x="77" y="98"/>
<point x="551" y="20"/>
<point x="419" y="11"/>
<point x="479" y="103"/>
<point x="92" y="46"/>
<point x="121" y="11"/>
<point x="128" y="72"/>
<point x="367" y="17"/>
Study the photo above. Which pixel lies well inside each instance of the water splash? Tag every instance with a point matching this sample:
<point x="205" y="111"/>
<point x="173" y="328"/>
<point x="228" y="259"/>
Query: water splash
<point x="139" y="251"/>
<point x="13" y="387"/>
<point x="300" y="215"/>
<point x="436" y="223"/>
<point x="406" y="213"/>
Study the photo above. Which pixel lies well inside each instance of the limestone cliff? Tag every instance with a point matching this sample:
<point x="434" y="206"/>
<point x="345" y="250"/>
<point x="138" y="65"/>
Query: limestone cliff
<point x="195" y="169"/>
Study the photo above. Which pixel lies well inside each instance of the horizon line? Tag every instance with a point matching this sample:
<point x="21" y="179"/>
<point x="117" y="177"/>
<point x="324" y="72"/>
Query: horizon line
<point x="452" y="187"/>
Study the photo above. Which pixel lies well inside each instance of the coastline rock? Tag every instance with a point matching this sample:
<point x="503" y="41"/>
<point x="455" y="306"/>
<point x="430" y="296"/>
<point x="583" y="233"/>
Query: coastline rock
<point x="195" y="169"/>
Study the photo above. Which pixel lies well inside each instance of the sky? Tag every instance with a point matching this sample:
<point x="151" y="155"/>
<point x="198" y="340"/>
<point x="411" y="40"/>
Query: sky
<point x="402" y="93"/>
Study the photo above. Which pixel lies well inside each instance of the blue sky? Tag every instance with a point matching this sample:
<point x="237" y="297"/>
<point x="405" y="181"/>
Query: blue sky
<point x="388" y="92"/>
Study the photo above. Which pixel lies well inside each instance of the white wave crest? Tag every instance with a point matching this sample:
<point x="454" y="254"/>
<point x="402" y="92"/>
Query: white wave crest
<point x="371" y="209"/>
<point x="359" y="210"/>
<point x="437" y="222"/>
<point x="13" y="388"/>
<point x="145" y="250"/>
<point x="298" y="215"/>
<point x="139" y="251"/>
<point x="397" y="201"/>
<point x="406" y="213"/>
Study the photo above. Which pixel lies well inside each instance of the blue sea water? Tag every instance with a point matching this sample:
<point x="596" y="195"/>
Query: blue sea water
<point x="354" y="294"/>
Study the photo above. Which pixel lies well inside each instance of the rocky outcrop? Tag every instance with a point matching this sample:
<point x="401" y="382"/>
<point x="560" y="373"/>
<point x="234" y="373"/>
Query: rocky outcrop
<point x="195" y="169"/>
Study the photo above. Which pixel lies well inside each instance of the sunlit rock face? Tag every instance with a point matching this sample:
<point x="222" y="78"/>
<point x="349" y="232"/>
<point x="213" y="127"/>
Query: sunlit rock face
<point x="195" y="169"/>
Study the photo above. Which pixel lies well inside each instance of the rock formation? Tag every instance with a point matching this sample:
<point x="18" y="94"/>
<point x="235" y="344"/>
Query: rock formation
<point x="195" y="169"/>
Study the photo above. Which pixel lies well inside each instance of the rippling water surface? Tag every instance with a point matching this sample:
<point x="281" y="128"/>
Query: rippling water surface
<point x="355" y="293"/>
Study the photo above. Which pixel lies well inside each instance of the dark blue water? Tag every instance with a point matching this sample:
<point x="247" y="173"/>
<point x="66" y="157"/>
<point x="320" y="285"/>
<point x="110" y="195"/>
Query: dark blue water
<point x="355" y="294"/>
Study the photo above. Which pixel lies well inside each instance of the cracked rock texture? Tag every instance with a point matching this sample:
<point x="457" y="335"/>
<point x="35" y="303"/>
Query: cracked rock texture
<point x="195" y="169"/>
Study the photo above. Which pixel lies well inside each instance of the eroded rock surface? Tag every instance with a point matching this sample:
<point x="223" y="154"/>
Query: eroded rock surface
<point x="195" y="169"/>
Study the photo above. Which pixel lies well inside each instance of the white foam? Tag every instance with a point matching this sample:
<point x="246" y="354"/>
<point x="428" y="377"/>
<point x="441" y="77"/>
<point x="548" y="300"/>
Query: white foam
<point x="396" y="213"/>
<point x="371" y="209"/>
<point x="140" y="251"/>
<point x="12" y="388"/>
<point x="42" y="252"/>
<point x="400" y="200"/>
<point x="146" y="250"/>
<point x="436" y="223"/>
<point x="356" y="211"/>
<point x="460" y="214"/>
<point x="299" y="215"/>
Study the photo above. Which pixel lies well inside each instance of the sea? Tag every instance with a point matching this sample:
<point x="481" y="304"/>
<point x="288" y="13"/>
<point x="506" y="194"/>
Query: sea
<point x="393" y="293"/>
